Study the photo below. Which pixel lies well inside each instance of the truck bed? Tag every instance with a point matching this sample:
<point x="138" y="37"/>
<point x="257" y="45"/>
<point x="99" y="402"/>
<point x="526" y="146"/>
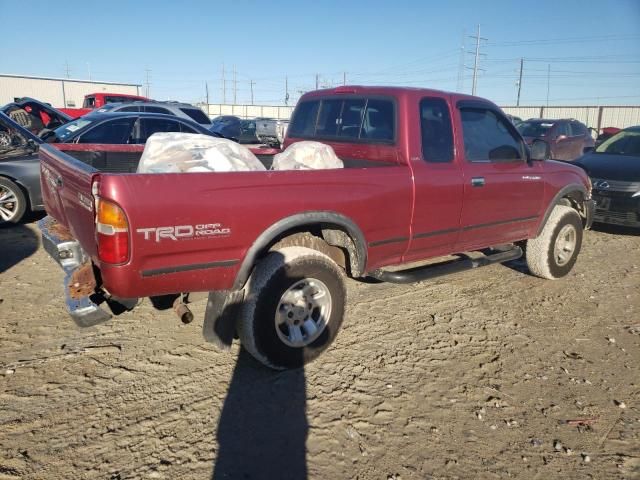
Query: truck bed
<point x="125" y="158"/>
<point x="73" y="175"/>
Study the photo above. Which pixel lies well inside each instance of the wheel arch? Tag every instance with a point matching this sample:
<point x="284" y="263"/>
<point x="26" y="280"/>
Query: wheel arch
<point x="334" y="228"/>
<point x="573" y="195"/>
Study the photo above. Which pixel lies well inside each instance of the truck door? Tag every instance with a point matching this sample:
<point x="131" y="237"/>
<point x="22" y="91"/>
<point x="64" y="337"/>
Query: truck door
<point x="438" y="183"/>
<point x="502" y="190"/>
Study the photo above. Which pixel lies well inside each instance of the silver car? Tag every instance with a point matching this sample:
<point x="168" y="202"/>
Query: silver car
<point x="177" y="109"/>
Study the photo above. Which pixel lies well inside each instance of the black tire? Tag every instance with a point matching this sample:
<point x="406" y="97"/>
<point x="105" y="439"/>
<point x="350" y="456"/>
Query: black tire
<point x="276" y="274"/>
<point x="546" y="256"/>
<point x="13" y="203"/>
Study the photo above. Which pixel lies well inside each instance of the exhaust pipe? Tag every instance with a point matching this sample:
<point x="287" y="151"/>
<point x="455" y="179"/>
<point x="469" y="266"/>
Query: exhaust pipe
<point x="182" y="311"/>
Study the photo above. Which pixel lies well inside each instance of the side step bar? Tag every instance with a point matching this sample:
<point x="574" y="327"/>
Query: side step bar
<point x="428" y="272"/>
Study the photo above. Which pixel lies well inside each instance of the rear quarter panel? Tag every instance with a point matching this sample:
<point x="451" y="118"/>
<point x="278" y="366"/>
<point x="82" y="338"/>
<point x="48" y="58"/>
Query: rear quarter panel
<point x="244" y="204"/>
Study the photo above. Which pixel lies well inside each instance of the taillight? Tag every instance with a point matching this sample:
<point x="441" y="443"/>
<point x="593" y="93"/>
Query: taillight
<point x="112" y="232"/>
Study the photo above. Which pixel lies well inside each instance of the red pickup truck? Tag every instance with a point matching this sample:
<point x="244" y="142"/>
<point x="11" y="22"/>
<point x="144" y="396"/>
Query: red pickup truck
<point x="428" y="176"/>
<point x="94" y="101"/>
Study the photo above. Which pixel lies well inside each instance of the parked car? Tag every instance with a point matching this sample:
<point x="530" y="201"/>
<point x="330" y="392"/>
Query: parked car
<point x="426" y="174"/>
<point x="182" y="110"/>
<point x="19" y="171"/>
<point x="120" y="128"/>
<point x="271" y="131"/>
<point x="34" y="115"/>
<point x="606" y="133"/>
<point x="515" y="120"/>
<point x="228" y="126"/>
<point x="93" y="101"/>
<point x="614" y="169"/>
<point x="248" y="132"/>
<point x="568" y="139"/>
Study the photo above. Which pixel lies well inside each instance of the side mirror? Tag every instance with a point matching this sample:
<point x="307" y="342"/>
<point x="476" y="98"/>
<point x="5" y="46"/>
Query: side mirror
<point x="539" y="150"/>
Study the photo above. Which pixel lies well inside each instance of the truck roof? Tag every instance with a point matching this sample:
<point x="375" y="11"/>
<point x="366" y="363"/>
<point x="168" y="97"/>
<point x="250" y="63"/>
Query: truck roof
<point x="394" y="91"/>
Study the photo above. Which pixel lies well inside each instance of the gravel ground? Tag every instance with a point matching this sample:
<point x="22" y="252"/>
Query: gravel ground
<point x="485" y="374"/>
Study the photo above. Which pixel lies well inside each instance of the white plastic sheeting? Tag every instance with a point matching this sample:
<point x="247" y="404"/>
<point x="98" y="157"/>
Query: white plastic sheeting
<point x="187" y="152"/>
<point x="307" y="156"/>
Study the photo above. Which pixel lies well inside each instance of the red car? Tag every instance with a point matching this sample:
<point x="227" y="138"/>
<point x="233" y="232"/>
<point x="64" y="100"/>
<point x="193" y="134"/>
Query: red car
<point x="427" y="174"/>
<point x="97" y="100"/>
<point x="568" y="139"/>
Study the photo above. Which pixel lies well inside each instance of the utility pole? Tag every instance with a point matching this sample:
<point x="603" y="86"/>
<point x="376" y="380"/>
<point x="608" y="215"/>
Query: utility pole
<point x="235" y="86"/>
<point x="476" y="60"/>
<point x="206" y="90"/>
<point x="460" y="83"/>
<point x="548" y="81"/>
<point x="344" y="78"/>
<point x="224" y="87"/>
<point x="67" y="69"/>
<point x="251" y="84"/>
<point x="286" y="90"/>
<point x="317" y="81"/>
<point x="147" y="81"/>
<point x="89" y="70"/>
<point x="520" y="81"/>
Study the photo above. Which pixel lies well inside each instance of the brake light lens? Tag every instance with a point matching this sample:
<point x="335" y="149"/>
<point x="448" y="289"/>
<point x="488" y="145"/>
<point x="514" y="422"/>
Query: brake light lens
<point x="112" y="232"/>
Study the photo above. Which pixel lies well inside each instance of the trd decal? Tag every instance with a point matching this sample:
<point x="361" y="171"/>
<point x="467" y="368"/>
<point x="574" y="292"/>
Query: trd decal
<point x="184" y="232"/>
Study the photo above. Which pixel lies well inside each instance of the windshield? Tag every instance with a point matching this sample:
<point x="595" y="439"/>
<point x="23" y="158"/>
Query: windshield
<point x="534" y="129"/>
<point x="68" y="130"/>
<point x="627" y="142"/>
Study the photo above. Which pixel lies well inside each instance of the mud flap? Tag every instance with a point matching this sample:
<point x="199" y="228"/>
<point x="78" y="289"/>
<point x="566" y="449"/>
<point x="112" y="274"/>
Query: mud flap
<point x="223" y="308"/>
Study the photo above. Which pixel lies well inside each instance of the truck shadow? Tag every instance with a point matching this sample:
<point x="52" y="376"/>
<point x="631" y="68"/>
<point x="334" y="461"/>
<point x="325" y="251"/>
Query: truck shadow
<point x="18" y="242"/>
<point x="263" y="427"/>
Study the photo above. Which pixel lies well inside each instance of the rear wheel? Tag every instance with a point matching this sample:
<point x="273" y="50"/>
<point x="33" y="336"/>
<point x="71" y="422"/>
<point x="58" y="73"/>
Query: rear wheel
<point x="13" y="203"/>
<point x="554" y="252"/>
<point x="294" y="307"/>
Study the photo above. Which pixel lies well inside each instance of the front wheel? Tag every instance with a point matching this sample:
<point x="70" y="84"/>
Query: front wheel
<point x="294" y="307"/>
<point x="554" y="252"/>
<point x="13" y="203"/>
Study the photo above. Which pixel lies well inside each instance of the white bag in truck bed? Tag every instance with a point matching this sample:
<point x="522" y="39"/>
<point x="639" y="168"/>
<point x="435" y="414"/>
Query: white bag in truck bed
<point x="307" y="156"/>
<point x="167" y="152"/>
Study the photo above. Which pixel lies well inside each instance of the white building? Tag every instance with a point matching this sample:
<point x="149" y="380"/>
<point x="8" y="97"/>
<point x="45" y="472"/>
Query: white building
<point x="59" y="92"/>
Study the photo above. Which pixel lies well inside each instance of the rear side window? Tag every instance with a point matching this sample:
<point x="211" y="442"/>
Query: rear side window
<point x="89" y="102"/>
<point x="164" y="111"/>
<point x="437" y="135"/>
<point x="113" y="131"/>
<point x="488" y="138"/>
<point x="577" y="129"/>
<point x="130" y="109"/>
<point x="149" y="126"/>
<point x="109" y="99"/>
<point x="197" y="115"/>
<point x="562" y="129"/>
<point x="371" y="120"/>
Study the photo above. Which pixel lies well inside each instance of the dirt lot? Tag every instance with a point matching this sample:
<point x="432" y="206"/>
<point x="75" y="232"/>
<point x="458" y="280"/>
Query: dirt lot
<point x="485" y="374"/>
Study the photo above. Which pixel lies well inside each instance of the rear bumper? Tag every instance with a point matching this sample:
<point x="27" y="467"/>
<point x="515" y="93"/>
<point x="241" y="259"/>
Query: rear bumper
<point x="79" y="279"/>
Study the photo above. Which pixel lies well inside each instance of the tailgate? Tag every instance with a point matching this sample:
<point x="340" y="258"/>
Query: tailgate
<point x="66" y="192"/>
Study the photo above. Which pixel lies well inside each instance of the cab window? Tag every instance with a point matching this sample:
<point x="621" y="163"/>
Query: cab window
<point x="437" y="134"/>
<point x="488" y="137"/>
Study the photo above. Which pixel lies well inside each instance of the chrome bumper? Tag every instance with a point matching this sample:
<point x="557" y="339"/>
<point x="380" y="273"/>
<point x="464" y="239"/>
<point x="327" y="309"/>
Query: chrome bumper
<point x="79" y="280"/>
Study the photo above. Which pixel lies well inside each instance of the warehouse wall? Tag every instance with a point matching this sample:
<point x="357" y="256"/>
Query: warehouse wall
<point x="56" y="91"/>
<point x="249" y="111"/>
<point x="592" y="116"/>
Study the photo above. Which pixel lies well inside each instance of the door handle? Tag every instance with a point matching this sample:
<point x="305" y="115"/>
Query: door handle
<point x="477" y="181"/>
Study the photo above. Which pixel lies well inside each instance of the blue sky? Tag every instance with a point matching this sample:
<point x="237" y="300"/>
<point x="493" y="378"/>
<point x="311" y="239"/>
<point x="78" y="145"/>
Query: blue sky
<point x="593" y="48"/>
